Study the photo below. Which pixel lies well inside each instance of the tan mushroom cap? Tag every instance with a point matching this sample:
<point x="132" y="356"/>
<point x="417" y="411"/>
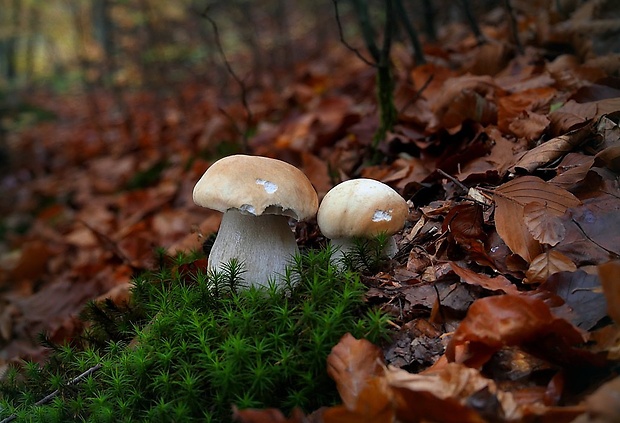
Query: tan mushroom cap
<point x="256" y="185"/>
<point x="361" y="208"/>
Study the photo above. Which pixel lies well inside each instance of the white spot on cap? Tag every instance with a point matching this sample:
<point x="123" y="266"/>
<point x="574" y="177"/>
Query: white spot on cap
<point x="247" y="209"/>
<point x="382" y="215"/>
<point x="270" y="187"/>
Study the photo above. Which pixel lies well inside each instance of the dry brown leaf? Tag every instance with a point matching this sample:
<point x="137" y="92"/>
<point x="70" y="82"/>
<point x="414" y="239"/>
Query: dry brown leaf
<point x="351" y="364"/>
<point x="551" y="150"/>
<point x="545" y="227"/>
<point x="573" y="169"/>
<point x="547" y="264"/>
<point x="494" y="322"/>
<point x="574" y="114"/>
<point x="498" y="283"/>
<point x="610" y="157"/>
<point x="602" y="406"/>
<point x="373" y="404"/>
<point x="609" y="274"/>
<point x="531" y="126"/>
<point x="445" y="394"/>
<point x="510" y="200"/>
<point x="462" y="98"/>
<point x="512" y="106"/>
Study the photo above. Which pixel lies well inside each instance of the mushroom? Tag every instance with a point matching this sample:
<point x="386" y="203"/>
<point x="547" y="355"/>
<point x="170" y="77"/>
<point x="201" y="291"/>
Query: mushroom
<point x="257" y="196"/>
<point x="361" y="208"/>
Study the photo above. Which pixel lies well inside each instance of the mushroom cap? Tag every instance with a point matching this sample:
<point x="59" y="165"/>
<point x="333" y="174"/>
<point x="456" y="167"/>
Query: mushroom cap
<point x="256" y="185"/>
<point x="361" y="208"/>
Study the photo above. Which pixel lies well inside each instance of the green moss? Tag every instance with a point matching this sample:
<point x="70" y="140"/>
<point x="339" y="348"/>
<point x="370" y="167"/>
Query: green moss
<point x="192" y="344"/>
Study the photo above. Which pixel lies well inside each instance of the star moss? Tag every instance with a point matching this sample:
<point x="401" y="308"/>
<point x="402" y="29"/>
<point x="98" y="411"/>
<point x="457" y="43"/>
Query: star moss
<point x="191" y="344"/>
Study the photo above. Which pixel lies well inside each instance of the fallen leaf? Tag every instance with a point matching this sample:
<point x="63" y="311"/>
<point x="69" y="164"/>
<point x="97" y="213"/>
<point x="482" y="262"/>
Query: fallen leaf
<point x="351" y="364"/>
<point x="545" y="227"/>
<point x="572" y="170"/>
<point x="584" y="303"/>
<point x="510" y="200"/>
<point x="547" y="264"/>
<point x="602" y="406"/>
<point x="453" y="393"/>
<point x="498" y="283"/>
<point x="511" y="320"/>
<point x="609" y="274"/>
<point x="530" y="126"/>
<point x="551" y="150"/>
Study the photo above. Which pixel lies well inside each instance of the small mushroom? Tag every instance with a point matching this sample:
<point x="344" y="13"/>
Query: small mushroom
<point x="257" y="196"/>
<point x="361" y="208"/>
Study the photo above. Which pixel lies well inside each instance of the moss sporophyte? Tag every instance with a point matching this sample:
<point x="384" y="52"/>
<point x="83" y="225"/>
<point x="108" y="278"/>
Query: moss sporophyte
<point x="192" y="342"/>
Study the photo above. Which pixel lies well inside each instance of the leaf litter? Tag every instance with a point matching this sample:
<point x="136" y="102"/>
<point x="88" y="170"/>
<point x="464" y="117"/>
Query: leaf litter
<point x="505" y="288"/>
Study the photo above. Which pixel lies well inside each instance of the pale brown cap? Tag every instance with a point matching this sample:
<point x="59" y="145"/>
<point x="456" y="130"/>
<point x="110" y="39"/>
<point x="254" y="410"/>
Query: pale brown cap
<point x="361" y="208"/>
<point x="256" y="185"/>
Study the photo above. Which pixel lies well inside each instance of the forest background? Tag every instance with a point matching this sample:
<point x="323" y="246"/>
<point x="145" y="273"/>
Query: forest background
<point x="111" y="110"/>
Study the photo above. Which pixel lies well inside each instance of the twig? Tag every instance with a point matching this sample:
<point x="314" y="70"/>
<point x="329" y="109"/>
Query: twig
<point x="345" y="42"/>
<point x="238" y="80"/>
<point x="513" y="25"/>
<point x="453" y="179"/>
<point x="418" y="94"/>
<point x="54" y="394"/>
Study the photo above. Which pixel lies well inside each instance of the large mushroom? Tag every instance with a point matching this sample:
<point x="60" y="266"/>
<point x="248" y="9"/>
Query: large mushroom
<point x="257" y="195"/>
<point x="361" y="208"/>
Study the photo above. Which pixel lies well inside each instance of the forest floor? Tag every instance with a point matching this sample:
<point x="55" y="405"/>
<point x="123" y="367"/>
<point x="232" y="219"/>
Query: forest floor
<point x="505" y="291"/>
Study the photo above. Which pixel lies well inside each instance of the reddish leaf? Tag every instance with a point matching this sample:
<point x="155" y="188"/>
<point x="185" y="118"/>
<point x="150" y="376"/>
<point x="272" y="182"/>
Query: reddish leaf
<point x="494" y="322"/>
<point x="351" y="364"/>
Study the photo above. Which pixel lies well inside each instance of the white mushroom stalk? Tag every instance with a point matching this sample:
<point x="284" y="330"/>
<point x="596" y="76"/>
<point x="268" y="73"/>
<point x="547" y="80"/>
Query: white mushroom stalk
<point x="257" y="195"/>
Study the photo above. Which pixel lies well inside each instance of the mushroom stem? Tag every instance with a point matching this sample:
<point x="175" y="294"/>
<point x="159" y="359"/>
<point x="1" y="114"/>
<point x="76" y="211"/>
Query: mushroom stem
<point x="344" y="246"/>
<point x="263" y="244"/>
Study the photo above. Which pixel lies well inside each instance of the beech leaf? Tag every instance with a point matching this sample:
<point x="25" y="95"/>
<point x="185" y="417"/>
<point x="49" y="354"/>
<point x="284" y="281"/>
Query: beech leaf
<point x="551" y="150"/>
<point x="547" y="264"/>
<point x="510" y="320"/>
<point x="351" y="364"/>
<point x="546" y="228"/>
<point x="510" y="200"/>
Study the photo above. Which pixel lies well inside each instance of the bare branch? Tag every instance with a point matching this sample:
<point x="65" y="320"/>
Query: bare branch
<point x="346" y="44"/>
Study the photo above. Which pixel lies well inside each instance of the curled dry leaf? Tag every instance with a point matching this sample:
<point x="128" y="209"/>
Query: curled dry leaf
<point x="465" y="97"/>
<point x="510" y="320"/>
<point x="547" y="264"/>
<point x="609" y="274"/>
<point x="351" y="364"/>
<point x="546" y="228"/>
<point x="610" y="157"/>
<point x="551" y="150"/>
<point x="530" y="126"/>
<point x="573" y="169"/>
<point x="603" y="405"/>
<point x="453" y="393"/>
<point x="498" y="283"/>
<point x="510" y="200"/>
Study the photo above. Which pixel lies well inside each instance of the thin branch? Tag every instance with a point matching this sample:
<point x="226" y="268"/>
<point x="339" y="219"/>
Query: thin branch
<point x="513" y="25"/>
<point x="238" y="80"/>
<point x="345" y="42"/>
<point x="418" y="93"/>
<point x="453" y="179"/>
<point x="418" y="52"/>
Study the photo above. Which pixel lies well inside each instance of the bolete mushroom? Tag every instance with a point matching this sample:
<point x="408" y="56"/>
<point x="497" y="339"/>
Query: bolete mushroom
<point x="361" y="208"/>
<point x="257" y="196"/>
